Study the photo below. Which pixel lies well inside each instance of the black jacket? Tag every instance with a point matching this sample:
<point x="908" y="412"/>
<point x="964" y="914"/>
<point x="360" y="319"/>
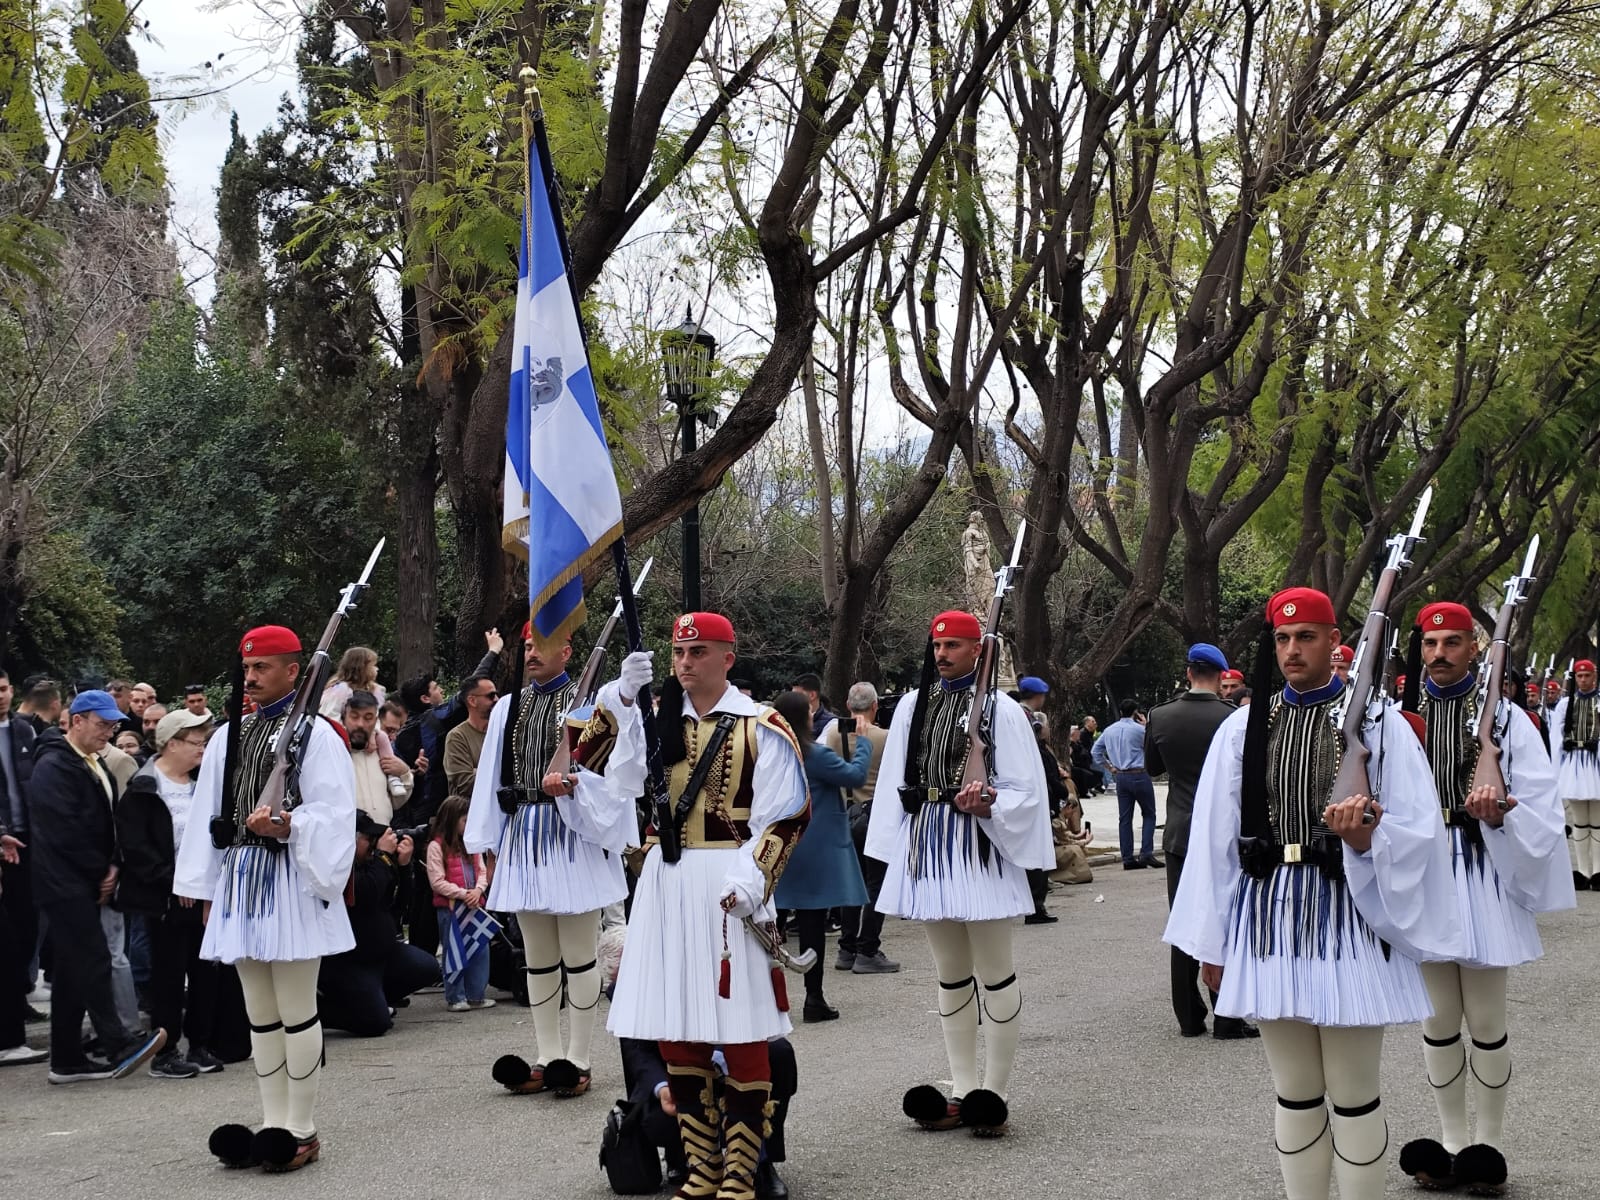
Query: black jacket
<point x="24" y="737"/>
<point x="74" y="836"/>
<point x="381" y="890"/>
<point x="145" y="845"/>
<point x="1176" y="740"/>
<point x="426" y="731"/>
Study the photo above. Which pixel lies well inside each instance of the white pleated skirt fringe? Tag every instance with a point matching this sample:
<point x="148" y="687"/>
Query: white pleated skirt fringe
<point x="1500" y="932"/>
<point x="542" y="866"/>
<point x="262" y="910"/>
<point x="1579" y="778"/>
<point x="1334" y="975"/>
<point x="667" y="983"/>
<point x="938" y="872"/>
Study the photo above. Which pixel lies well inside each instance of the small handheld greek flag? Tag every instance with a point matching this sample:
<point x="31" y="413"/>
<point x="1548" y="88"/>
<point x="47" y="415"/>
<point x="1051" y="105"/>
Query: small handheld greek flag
<point x="469" y="934"/>
<point x="562" y="509"/>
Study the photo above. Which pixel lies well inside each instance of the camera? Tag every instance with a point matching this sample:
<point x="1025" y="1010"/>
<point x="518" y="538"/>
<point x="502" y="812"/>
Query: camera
<point x="417" y="833"/>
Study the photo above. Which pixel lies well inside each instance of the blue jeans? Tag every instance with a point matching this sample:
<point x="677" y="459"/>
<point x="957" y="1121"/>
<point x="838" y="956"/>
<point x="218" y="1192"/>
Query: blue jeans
<point x="474" y="979"/>
<point x="1131" y="790"/>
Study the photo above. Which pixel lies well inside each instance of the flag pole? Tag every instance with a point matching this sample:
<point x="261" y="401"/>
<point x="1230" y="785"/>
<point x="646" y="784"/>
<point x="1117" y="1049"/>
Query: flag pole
<point x="537" y="155"/>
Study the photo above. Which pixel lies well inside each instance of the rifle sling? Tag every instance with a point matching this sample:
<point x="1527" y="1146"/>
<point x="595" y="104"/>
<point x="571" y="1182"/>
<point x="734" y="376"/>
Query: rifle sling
<point x="702" y="768"/>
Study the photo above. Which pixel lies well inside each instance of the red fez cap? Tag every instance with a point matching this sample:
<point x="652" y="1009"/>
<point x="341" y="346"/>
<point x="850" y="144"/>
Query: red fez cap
<point x="267" y="640"/>
<point x="1344" y="654"/>
<point x="1292" y="606"/>
<point x="1444" y="614"/>
<point x="703" y="627"/>
<point x="527" y="630"/>
<point x="1232" y="673"/>
<point x="1583" y="664"/>
<point x="955" y="624"/>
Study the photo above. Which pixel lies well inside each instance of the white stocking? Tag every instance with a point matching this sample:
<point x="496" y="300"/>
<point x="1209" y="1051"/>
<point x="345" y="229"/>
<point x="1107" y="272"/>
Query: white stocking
<point x="267" y="1051"/>
<point x="296" y="986"/>
<point x="1300" y="1120"/>
<point x="1484" y="995"/>
<point x="541" y="948"/>
<point x="1572" y="834"/>
<point x="1442" y="1052"/>
<point x="958" y="1002"/>
<point x="1002" y="1000"/>
<point x="579" y="936"/>
<point x="1350" y="1059"/>
<point x="1585" y="816"/>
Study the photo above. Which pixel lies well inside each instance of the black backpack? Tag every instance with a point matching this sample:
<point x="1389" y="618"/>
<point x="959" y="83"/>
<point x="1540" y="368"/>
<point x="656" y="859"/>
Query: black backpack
<point x="630" y="1161"/>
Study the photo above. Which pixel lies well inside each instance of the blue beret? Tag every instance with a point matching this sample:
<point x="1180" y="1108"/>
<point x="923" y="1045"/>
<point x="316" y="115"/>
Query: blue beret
<point x="1032" y="685"/>
<point x="1207" y="655"/>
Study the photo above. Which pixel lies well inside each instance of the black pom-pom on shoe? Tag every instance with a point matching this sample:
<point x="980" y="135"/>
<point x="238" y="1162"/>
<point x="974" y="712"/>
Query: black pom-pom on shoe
<point x="231" y="1144"/>
<point x="985" y="1113"/>
<point x="513" y="1073"/>
<point x="928" y="1107"/>
<point x="1481" y="1170"/>
<point x="274" y="1147"/>
<point x="1429" y="1163"/>
<point x="561" y="1075"/>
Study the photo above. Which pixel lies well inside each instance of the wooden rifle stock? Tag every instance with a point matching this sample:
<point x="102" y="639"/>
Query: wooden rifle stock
<point x="1489" y="772"/>
<point x="979" y="748"/>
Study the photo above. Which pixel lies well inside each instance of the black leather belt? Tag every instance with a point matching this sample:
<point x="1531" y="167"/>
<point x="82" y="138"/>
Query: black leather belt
<point x="1259" y="857"/>
<point x="913" y="798"/>
<point x="512" y="799"/>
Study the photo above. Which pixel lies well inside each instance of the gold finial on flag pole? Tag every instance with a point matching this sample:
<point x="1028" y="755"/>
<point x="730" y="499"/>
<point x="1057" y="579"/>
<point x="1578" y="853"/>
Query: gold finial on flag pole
<point x="530" y="87"/>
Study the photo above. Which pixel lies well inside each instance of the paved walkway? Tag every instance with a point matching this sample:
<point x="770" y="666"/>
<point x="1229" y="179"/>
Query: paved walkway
<point x="1108" y="1101"/>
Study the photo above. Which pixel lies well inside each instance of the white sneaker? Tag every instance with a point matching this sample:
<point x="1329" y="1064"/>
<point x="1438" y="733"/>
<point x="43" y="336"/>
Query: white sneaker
<point x="486" y="1002"/>
<point x="40" y="993"/>
<point x="458" y="1006"/>
<point x="20" y="1055"/>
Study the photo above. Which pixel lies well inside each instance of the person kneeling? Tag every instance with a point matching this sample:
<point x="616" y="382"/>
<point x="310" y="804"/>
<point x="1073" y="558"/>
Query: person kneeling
<point x="360" y="989"/>
<point x="649" y="1115"/>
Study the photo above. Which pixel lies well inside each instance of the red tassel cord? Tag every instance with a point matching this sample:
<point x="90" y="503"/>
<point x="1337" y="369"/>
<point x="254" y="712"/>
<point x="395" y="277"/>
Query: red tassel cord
<point x="780" y="987"/>
<point x="725" y="971"/>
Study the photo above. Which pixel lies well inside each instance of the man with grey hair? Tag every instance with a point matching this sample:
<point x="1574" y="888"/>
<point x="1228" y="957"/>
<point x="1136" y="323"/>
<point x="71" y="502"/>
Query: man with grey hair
<point x="861" y="928"/>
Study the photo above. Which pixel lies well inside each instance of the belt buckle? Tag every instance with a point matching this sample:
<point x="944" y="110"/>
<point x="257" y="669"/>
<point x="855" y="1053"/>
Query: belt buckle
<point x="1291" y="852"/>
<point x="933" y="795"/>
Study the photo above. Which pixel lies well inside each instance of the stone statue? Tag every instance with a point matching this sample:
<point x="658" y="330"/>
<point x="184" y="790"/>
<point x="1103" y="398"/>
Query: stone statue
<point x="979" y="572"/>
<point x="975" y="564"/>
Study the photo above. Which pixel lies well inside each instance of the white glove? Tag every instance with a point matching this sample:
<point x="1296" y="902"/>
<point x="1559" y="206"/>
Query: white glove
<point x="737" y="901"/>
<point x="635" y="674"/>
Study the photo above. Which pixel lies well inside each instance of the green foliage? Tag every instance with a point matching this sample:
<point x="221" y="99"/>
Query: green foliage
<point x="211" y="505"/>
<point x="68" y="624"/>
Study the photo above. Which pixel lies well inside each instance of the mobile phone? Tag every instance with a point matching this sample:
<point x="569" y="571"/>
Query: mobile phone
<point x="1088" y="827"/>
<point x="847" y="724"/>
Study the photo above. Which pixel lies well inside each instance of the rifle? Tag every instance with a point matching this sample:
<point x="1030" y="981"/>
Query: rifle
<point x="980" y="719"/>
<point x="296" y="733"/>
<point x="1488" y="772"/>
<point x="1353" y="778"/>
<point x="589" y="681"/>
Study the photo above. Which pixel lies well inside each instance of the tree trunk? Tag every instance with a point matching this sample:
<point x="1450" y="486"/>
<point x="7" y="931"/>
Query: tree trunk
<point x="417" y="604"/>
<point x="824" y="483"/>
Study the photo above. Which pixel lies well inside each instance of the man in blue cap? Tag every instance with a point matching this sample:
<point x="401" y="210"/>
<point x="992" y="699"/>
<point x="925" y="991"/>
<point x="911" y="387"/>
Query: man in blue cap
<point x="1031" y="691"/>
<point x="71" y="797"/>
<point x="1175" y="743"/>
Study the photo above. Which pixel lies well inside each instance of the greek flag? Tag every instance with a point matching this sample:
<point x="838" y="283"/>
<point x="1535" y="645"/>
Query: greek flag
<point x="562" y="509"/>
<point x="469" y="934"/>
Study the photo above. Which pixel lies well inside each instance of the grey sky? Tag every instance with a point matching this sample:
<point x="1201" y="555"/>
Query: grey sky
<point x="255" y="68"/>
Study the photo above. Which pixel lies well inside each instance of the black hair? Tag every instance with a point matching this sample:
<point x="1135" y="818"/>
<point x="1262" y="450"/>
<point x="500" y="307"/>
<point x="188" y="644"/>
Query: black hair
<point x="792" y="707"/>
<point x="361" y="699"/>
<point x="1204" y="670"/>
<point x="1128" y="707"/>
<point x="413" y="692"/>
<point x="810" y="681"/>
<point x="472" y="681"/>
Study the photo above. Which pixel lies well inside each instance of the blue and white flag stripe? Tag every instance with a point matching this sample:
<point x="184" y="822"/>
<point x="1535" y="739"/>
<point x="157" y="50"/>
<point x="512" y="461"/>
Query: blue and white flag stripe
<point x="562" y="509"/>
<point x="469" y="934"/>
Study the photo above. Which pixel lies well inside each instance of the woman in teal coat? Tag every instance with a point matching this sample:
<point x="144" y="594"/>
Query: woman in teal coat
<point x="823" y="872"/>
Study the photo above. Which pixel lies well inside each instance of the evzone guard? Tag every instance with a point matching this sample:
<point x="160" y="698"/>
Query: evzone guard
<point x="273" y="885"/>
<point x="1308" y="904"/>
<point x="695" y="976"/>
<point x="956" y="852"/>
<point x="558" y="847"/>
<point x="1507" y="865"/>
<point x="1574" y="742"/>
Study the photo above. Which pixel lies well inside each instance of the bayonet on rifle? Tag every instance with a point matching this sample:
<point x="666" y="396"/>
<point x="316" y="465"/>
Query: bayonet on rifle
<point x="1488" y="771"/>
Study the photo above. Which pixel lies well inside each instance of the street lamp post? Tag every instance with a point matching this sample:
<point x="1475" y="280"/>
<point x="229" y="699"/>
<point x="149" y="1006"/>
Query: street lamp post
<point x="686" y="354"/>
